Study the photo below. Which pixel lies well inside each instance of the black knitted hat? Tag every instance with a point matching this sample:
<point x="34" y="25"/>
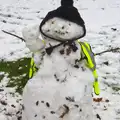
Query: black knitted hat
<point x="66" y="2"/>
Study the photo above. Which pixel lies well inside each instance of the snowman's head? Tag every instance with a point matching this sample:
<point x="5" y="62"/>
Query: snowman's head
<point x="61" y="30"/>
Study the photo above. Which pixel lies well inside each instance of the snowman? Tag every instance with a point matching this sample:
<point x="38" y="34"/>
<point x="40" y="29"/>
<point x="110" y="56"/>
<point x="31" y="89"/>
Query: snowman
<point x="62" y="87"/>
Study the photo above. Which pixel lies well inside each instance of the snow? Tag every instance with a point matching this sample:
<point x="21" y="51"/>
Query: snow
<point x="100" y="17"/>
<point x="10" y="102"/>
<point x="32" y="32"/>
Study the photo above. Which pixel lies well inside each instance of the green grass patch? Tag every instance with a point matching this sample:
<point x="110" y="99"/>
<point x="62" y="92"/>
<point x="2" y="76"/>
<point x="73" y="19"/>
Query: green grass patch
<point x="18" y="72"/>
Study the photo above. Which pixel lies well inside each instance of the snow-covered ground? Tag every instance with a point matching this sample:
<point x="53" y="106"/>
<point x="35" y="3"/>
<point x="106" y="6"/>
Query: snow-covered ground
<point x="103" y="31"/>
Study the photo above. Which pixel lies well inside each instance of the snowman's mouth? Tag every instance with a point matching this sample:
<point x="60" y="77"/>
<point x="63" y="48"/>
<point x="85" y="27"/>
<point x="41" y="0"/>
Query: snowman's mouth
<point x="59" y="40"/>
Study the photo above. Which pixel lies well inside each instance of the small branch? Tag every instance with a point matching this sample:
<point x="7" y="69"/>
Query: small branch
<point x="14" y="35"/>
<point x="109" y="50"/>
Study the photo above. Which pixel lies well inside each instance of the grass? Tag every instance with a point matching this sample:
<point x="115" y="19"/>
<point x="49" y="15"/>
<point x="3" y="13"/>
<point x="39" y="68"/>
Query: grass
<point x="18" y="73"/>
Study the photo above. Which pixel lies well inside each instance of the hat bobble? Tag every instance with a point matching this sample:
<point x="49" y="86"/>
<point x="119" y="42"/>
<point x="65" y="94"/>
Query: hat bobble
<point x="66" y="2"/>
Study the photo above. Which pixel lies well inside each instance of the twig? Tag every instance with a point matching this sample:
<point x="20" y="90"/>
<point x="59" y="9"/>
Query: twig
<point x="109" y="50"/>
<point x="14" y="35"/>
<point x="95" y="54"/>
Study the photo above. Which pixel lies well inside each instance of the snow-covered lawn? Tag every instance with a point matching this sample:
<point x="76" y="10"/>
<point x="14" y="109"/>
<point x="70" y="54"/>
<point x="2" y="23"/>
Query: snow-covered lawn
<point x="103" y="32"/>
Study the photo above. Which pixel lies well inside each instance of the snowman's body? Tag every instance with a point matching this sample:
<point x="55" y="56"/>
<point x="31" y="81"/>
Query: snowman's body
<point x="61" y="89"/>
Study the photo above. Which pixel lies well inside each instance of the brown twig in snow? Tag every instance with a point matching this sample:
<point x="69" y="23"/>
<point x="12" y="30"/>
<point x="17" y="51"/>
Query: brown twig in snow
<point x="109" y="50"/>
<point x="14" y="35"/>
